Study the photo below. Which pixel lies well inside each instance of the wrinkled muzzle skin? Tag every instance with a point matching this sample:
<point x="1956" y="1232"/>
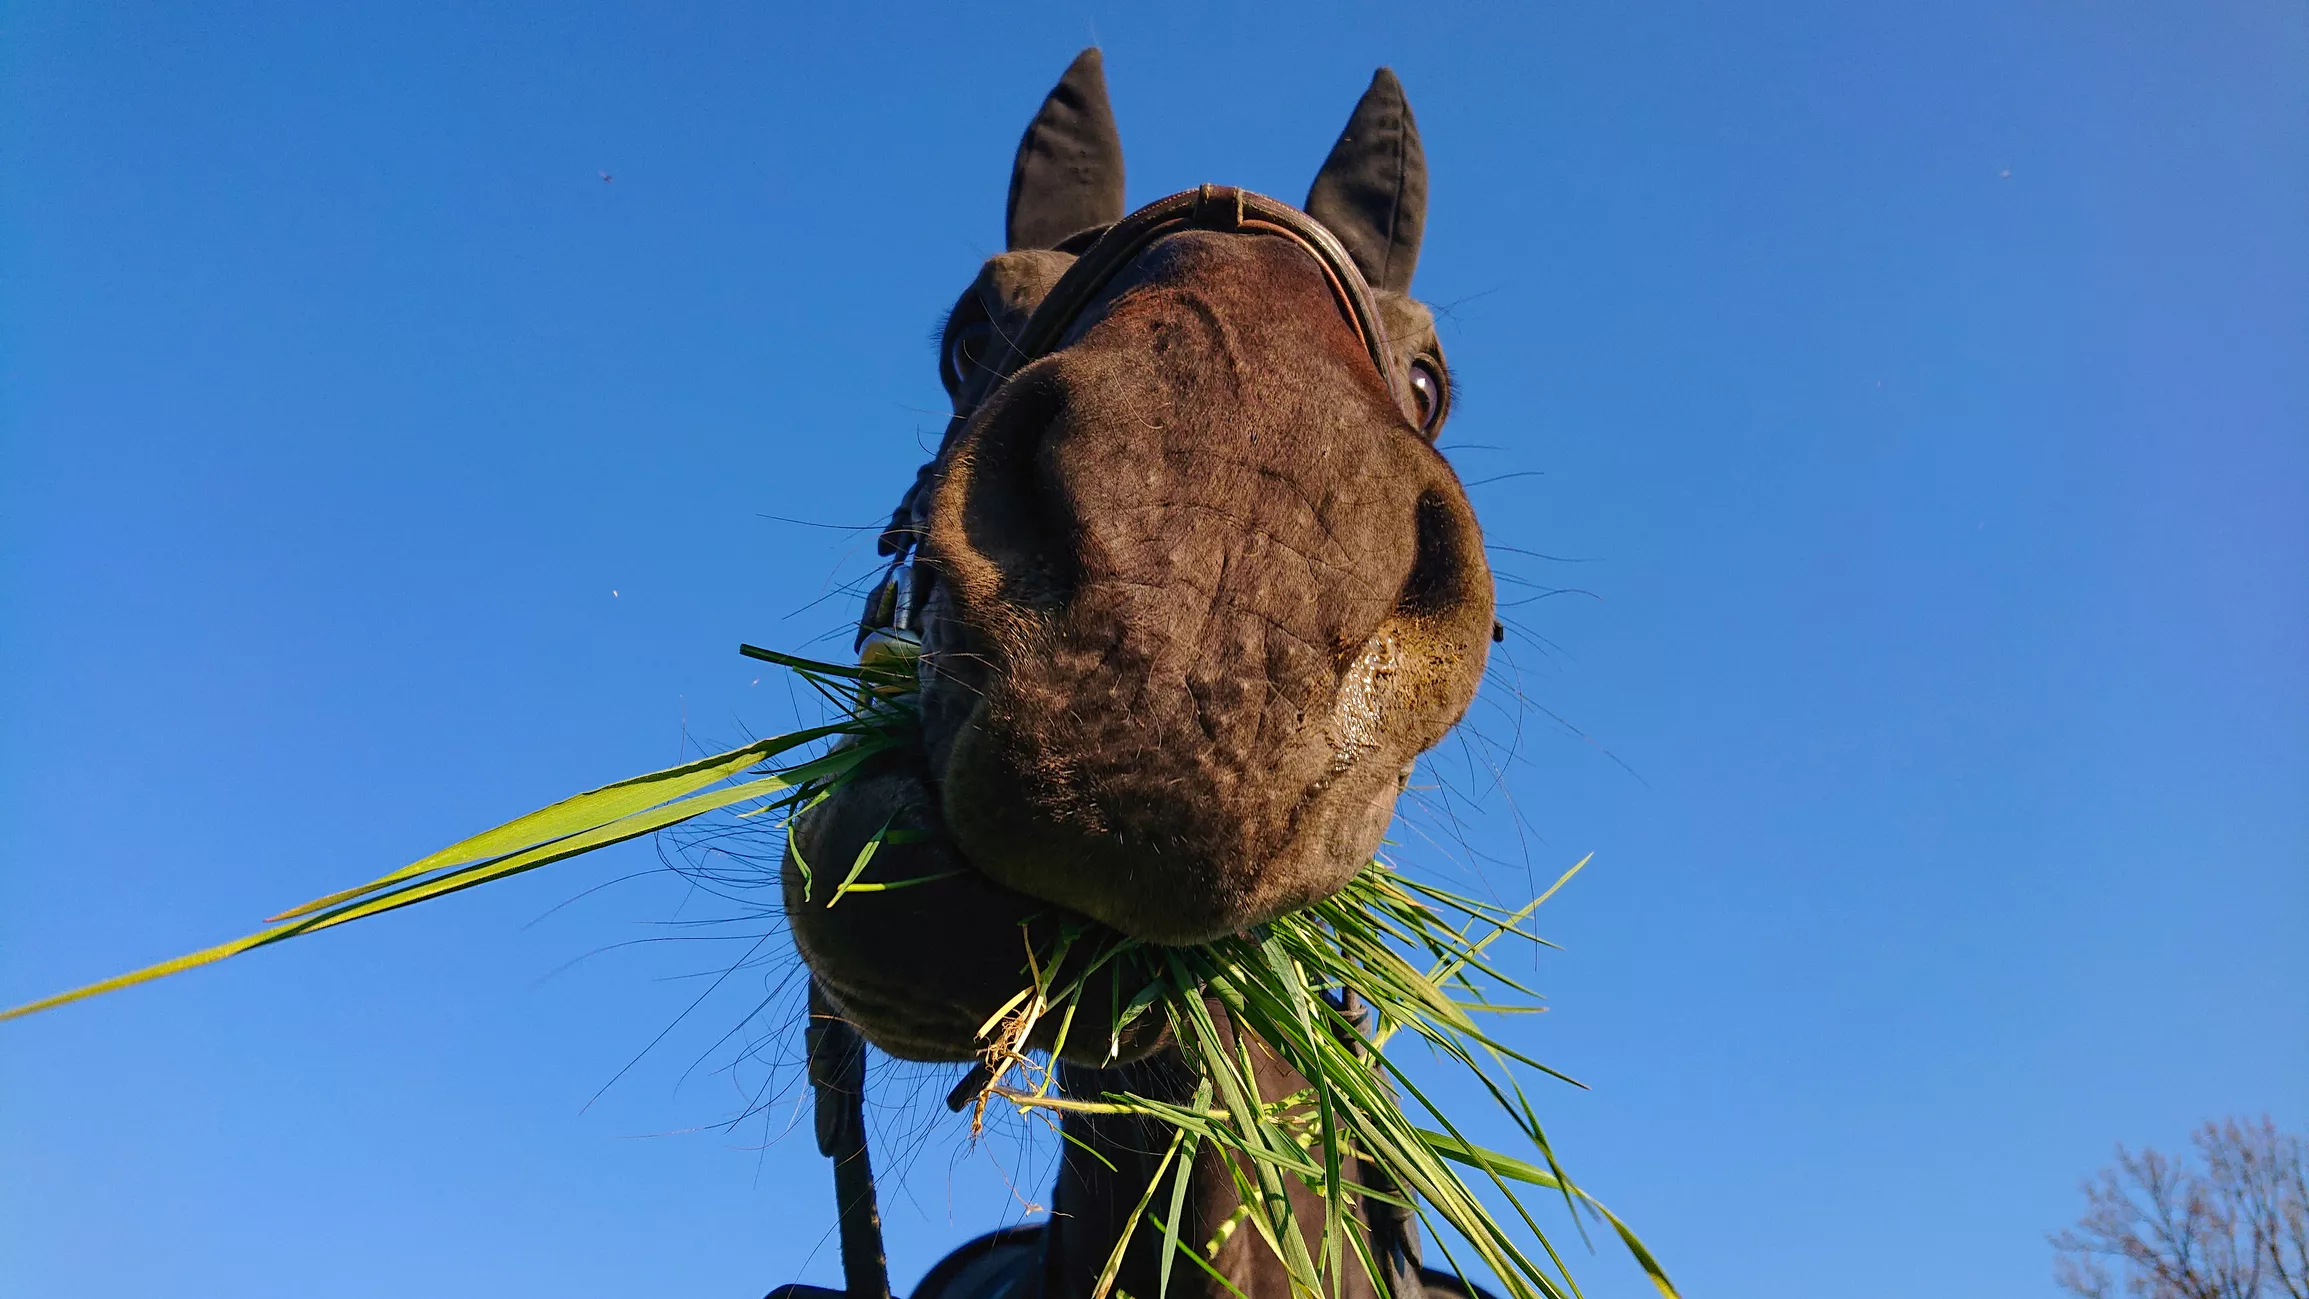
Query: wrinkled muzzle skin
<point x="1206" y="596"/>
<point x="1198" y="594"/>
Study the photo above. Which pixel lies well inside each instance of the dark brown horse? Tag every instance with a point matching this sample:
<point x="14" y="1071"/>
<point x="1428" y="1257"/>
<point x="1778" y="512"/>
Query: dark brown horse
<point x="1193" y="588"/>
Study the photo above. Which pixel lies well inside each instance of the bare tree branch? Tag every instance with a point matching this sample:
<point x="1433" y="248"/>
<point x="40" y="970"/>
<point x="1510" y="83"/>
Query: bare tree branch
<point x="2238" y="1228"/>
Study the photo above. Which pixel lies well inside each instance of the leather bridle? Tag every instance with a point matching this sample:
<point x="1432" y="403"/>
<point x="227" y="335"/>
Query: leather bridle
<point x="1222" y="208"/>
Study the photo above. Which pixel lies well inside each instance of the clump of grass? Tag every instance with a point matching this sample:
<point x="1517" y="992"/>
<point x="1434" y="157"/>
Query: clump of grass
<point x="1420" y="957"/>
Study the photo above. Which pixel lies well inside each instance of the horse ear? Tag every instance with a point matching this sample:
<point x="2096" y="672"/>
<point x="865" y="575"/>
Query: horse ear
<point x="1372" y="191"/>
<point x="1068" y="176"/>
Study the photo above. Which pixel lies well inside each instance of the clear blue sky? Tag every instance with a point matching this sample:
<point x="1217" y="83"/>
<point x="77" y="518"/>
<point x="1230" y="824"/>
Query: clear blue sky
<point x="1925" y="391"/>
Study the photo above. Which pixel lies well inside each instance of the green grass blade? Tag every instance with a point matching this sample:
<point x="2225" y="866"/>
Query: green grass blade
<point x="581" y="812"/>
<point x="596" y="819"/>
<point x="1171" y="1245"/>
<point x="189" y="961"/>
<point x="1106" y="1274"/>
<point x="1492" y="1161"/>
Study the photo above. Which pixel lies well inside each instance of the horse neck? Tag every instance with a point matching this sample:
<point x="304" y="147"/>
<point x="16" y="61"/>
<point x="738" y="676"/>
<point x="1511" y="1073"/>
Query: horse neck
<point x="1104" y="1171"/>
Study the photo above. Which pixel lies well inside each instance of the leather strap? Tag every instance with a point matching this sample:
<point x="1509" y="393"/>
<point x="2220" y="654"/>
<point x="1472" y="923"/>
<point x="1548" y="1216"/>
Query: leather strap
<point x="837" y="1058"/>
<point x="1205" y="207"/>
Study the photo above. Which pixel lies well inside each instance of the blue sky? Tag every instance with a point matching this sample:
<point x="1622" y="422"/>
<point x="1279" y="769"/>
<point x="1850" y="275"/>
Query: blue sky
<point x="1918" y="397"/>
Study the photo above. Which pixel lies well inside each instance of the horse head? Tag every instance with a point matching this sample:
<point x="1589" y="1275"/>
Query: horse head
<point x="1191" y="583"/>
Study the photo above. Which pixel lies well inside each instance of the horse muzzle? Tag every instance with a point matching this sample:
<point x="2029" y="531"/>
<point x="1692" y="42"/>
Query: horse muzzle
<point x="1202" y="595"/>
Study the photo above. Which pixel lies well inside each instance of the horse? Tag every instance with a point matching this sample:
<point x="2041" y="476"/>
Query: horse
<point x="1189" y="588"/>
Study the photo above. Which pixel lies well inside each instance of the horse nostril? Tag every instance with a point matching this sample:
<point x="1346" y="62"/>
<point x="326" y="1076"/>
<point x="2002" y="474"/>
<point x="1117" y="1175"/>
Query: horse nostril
<point x="1436" y="579"/>
<point x="1017" y="533"/>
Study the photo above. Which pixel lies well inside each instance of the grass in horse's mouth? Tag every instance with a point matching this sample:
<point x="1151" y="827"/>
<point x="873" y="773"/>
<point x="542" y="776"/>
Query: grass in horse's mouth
<point x="1292" y="983"/>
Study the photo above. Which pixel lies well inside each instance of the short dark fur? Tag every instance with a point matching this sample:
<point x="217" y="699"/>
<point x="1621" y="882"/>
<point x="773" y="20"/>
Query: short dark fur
<point x="1198" y="591"/>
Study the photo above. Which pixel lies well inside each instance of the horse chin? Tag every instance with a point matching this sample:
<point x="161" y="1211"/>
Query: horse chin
<point x="958" y="912"/>
<point x="932" y="949"/>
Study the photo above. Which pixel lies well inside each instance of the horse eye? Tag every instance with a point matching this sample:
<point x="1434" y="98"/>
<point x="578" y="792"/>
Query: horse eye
<point x="1428" y="390"/>
<point x="966" y="350"/>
